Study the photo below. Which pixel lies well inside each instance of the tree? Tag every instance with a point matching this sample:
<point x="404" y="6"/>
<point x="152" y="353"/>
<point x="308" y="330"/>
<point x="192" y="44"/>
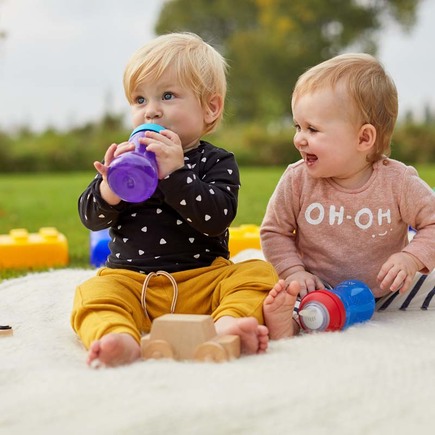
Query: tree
<point x="269" y="43"/>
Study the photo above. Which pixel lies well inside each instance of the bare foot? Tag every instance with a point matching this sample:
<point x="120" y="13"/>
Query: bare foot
<point x="253" y="337"/>
<point x="278" y="310"/>
<point x="113" y="350"/>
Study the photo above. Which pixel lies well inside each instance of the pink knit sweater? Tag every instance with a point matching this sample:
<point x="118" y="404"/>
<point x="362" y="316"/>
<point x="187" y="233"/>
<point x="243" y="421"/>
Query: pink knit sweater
<point x="339" y="234"/>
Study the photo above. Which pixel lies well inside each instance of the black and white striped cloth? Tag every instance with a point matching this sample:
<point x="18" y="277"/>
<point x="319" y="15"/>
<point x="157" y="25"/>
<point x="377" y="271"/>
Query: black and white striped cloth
<point x="420" y="297"/>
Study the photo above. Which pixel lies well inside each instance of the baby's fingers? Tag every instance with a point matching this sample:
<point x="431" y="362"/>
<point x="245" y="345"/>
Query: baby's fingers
<point x="303" y="292"/>
<point x="383" y="272"/>
<point x="386" y="276"/>
<point x="101" y="168"/>
<point x="110" y="154"/>
<point x="395" y="283"/>
<point x="406" y="284"/>
<point x="308" y="286"/>
<point x="319" y="283"/>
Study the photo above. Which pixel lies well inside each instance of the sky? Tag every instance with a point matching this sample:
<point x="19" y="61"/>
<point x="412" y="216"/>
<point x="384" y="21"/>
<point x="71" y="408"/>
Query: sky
<point x="62" y="61"/>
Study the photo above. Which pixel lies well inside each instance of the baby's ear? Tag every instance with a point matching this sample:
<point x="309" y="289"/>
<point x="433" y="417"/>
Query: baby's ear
<point x="366" y="137"/>
<point x="213" y="109"/>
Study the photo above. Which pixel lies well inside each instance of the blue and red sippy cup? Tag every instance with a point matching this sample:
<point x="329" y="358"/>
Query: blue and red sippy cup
<point x="331" y="310"/>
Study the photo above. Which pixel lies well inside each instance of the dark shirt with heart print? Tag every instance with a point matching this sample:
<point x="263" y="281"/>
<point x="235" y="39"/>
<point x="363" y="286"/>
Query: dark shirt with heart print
<point x="184" y="225"/>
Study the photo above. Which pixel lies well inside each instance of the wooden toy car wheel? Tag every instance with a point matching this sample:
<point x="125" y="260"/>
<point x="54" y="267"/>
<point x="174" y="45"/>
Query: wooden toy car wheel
<point x="210" y="351"/>
<point x="157" y="349"/>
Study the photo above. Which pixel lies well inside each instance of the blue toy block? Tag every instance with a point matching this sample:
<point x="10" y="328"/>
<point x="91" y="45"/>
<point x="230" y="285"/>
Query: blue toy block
<point x="99" y="247"/>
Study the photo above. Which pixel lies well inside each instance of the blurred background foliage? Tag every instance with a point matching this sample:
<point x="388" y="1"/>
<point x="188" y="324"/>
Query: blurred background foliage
<point x="268" y="44"/>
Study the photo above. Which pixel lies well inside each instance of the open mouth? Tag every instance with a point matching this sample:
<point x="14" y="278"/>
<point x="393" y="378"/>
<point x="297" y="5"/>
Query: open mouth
<point x="310" y="159"/>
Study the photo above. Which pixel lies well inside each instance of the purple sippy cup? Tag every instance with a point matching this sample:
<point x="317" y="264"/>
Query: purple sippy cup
<point x="133" y="176"/>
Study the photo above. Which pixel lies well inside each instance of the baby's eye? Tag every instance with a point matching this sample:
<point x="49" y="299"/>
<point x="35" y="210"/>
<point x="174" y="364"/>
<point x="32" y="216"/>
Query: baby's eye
<point x="312" y="130"/>
<point x="168" y="96"/>
<point x="297" y="127"/>
<point x="139" y="100"/>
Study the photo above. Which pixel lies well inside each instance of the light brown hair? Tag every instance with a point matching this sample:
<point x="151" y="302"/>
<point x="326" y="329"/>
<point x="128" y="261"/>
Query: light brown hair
<point x="370" y="89"/>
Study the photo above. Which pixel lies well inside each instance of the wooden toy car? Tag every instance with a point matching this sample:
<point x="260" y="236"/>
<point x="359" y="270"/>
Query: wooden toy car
<point x="188" y="336"/>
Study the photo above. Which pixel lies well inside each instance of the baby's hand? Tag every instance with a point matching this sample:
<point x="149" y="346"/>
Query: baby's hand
<point x="167" y="147"/>
<point x="307" y="281"/>
<point x="112" y="152"/>
<point x="398" y="272"/>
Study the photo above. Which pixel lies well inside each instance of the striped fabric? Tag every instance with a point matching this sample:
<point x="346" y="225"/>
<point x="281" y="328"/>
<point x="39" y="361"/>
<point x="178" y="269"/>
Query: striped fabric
<point x="420" y="297"/>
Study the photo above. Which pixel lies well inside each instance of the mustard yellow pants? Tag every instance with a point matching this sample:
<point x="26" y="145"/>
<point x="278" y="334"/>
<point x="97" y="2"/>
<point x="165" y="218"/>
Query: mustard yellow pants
<point x="111" y="302"/>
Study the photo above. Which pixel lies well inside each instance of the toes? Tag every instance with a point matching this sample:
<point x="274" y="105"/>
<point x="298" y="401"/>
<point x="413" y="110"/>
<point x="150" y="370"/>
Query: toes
<point x="94" y="351"/>
<point x="268" y="299"/>
<point x="263" y="331"/>
<point x="96" y="364"/>
<point x="263" y="338"/>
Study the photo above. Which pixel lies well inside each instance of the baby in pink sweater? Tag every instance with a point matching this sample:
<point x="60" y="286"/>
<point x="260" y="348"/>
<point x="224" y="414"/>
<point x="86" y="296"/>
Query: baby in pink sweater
<point x="343" y="211"/>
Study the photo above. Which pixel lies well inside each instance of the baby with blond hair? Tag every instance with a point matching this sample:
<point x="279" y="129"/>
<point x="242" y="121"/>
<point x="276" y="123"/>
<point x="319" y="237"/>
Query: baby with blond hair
<point x="170" y="252"/>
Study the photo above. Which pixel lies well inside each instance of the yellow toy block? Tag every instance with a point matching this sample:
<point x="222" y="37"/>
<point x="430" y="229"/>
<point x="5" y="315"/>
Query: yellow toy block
<point x="244" y="237"/>
<point x="21" y="249"/>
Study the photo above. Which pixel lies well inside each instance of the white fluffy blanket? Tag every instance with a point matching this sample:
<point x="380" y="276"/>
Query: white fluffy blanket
<point x="374" y="378"/>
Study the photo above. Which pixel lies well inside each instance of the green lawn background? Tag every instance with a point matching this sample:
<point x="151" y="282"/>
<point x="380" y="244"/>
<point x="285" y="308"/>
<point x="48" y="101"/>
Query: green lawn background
<point x="33" y="201"/>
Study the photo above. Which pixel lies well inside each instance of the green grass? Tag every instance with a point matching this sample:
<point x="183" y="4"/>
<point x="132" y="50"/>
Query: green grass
<point x="257" y="185"/>
<point x="427" y="173"/>
<point x="33" y="201"/>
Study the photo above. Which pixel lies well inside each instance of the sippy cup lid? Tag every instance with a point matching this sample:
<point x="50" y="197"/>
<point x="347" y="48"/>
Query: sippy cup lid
<point x="144" y="127"/>
<point x="322" y="310"/>
<point x="314" y="316"/>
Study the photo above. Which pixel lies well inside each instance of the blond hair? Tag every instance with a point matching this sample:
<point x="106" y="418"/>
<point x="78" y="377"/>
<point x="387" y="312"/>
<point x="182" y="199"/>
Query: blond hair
<point x="197" y="65"/>
<point x="370" y="89"/>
